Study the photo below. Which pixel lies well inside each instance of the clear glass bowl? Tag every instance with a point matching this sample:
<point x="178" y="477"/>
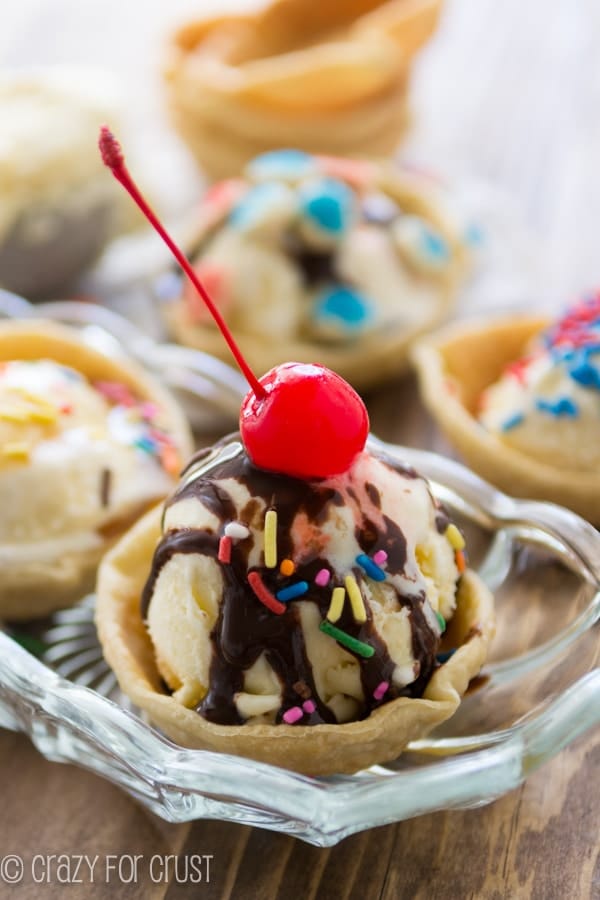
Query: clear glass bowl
<point x="539" y="690"/>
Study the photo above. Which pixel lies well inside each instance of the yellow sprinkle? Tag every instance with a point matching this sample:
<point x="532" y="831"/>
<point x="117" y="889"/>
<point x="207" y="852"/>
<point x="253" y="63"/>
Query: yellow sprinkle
<point x="337" y="604"/>
<point x="42" y="416"/>
<point x="34" y="399"/>
<point x="271" y="539"/>
<point x="15" y="450"/>
<point x="356" y="600"/>
<point x="287" y="567"/>
<point x="454" y="537"/>
<point x="14" y="415"/>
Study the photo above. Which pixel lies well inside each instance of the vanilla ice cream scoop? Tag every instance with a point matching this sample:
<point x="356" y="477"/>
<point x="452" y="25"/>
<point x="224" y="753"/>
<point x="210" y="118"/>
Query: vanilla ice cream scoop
<point x="311" y="255"/>
<point x="547" y="405"/>
<point x="74" y="455"/>
<point x="86" y="445"/>
<point x="273" y="599"/>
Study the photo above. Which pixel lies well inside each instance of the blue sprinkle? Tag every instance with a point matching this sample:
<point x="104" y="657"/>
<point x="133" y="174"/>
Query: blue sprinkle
<point x="328" y="204"/>
<point x="282" y="164"/>
<point x="146" y="444"/>
<point x="298" y="589"/>
<point x="444" y="657"/>
<point x="257" y="202"/>
<point x="371" y="568"/>
<point x="345" y="305"/>
<point x="473" y="235"/>
<point x="512" y="422"/>
<point x="379" y="209"/>
<point x="586" y="374"/>
<point x="168" y="286"/>
<point x="563" y="406"/>
<point x="434" y="246"/>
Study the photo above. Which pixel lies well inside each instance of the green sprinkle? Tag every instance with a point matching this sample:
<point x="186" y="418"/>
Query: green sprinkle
<point x="347" y="640"/>
<point x="30" y="643"/>
<point x="441" y="621"/>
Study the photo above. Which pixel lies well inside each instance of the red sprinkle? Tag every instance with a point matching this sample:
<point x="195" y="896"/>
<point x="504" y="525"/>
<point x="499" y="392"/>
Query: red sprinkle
<point x="224" y="554"/>
<point x="264" y="594"/>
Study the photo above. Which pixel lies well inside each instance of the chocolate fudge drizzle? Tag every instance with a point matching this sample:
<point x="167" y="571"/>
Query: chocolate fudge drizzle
<point x="245" y="628"/>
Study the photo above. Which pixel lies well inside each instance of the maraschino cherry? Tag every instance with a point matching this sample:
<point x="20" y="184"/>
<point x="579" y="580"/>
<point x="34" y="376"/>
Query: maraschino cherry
<point x="299" y="419"/>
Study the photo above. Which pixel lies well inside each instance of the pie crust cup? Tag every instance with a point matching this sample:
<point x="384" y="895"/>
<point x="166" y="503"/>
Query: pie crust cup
<point x="328" y="78"/>
<point x="455" y="366"/>
<point x="365" y="361"/>
<point x="314" y="750"/>
<point x="38" y="588"/>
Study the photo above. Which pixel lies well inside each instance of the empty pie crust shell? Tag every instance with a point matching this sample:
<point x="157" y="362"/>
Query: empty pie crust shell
<point x="313" y="750"/>
<point x="366" y="361"/>
<point x="322" y="77"/>
<point x="455" y="366"/>
<point x="39" y="588"/>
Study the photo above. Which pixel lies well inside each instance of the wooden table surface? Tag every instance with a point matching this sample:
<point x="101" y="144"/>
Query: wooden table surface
<point x="507" y="92"/>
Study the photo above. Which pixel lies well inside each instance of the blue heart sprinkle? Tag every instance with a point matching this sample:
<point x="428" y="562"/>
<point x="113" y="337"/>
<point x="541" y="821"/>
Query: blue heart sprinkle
<point x="586" y="374"/>
<point x="563" y="406"/>
<point x="349" y="307"/>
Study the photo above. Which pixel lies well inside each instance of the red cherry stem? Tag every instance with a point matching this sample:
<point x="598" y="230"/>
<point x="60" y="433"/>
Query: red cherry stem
<point x="112" y="156"/>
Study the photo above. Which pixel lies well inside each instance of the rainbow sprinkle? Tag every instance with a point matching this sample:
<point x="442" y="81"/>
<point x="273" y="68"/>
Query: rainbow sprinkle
<point x="381" y="690"/>
<point x="292" y="715"/>
<point x="461" y="561"/>
<point x="347" y="640"/>
<point x="380" y="557"/>
<point x="264" y="594"/>
<point x="322" y="577"/>
<point x="441" y="621"/>
<point x="224" y="553"/>
<point x="309" y="706"/>
<point x="512" y="421"/>
<point x="444" y="657"/>
<point x="287" y="567"/>
<point x="298" y="589"/>
<point x="370" y="567"/>
<point x="356" y="600"/>
<point x="336" y="605"/>
<point x="454" y="537"/>
<point x="15" y="450"/>
<point x="237" y="531"/>
<point x="270" y="539"/>
<point x="562" y="406"/>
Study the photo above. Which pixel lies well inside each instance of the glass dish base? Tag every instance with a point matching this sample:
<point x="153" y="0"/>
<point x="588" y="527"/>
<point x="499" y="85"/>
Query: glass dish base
<point x="539" y="689"/>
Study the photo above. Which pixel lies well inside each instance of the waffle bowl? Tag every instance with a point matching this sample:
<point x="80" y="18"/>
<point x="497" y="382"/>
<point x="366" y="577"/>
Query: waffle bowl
<point x="329" y="78"/>
<point x="455" y="367"/>
<point x="326" y="749"/>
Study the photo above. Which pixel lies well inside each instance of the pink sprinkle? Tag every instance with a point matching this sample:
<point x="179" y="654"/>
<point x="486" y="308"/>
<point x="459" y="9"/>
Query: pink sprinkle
<point x="381" y="690"/>
<point x="149" y="410"/>
<point x="292" y="715"/>
<point x="322" y="577"/>
<point x="379" y="558"/>
<point x="309" y="706"/>
<point x="224" y="554"/>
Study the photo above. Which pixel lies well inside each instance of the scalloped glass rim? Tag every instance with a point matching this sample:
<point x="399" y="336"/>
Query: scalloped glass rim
<point x="71" y="723"/>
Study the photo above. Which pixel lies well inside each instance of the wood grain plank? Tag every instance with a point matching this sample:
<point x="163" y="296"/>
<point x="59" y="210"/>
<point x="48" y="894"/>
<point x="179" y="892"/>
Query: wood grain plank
<point x="59" y="809"/>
